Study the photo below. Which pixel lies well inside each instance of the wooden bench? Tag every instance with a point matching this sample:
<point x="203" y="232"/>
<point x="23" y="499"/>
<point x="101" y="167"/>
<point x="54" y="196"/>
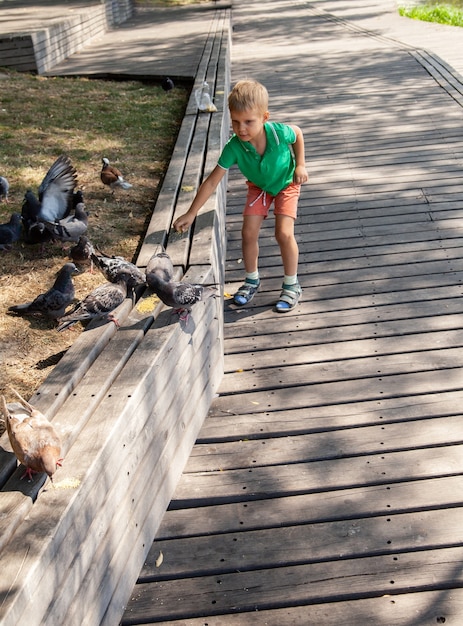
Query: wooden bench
<point x="129" y="403"/>
<point x="49" y="44"/>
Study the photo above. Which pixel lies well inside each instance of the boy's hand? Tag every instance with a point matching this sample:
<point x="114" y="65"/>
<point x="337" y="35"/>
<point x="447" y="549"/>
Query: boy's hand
<point x="300" y="175"/>
<point x="183" y="222"/>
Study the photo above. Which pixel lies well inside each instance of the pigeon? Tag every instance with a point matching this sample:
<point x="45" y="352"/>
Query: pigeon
<point x="35" y="442"/>
<point x="77" y="198"/>
<point x="53" y="303"/>
<point x="10" y="232"/>
<point x="160" y="265"/>
<point x="82" y="252"/>
<point x="178" y="295"/>
<point x="4" y="189"/>
<point x="34" y="232"/>
<point x="112" y="177"/>
<point x="98" y="304"/>
<point x="112" y="266"/>
<point x="55" y="193"/>
<point x="70" y="228"/>
<point x="167" y="84"/>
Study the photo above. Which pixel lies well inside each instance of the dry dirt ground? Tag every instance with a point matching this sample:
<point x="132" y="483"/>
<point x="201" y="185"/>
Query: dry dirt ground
<point x="135" y="127"/>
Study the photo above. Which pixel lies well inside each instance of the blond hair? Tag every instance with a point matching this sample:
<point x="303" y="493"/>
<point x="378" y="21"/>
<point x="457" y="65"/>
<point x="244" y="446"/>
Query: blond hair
<point x="248" y="94"/>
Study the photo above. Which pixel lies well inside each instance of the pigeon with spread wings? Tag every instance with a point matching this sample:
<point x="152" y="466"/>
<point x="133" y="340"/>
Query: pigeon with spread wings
<point x="56" y="193"/>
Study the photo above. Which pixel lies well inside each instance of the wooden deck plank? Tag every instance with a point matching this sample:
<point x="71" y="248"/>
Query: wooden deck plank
<point x="379" y="272"/>
<point x="425" y="608"/>
<point x="378" y="372"/>
<point x="233" y="422"/>
<point x="344" y="392"/>
<point x="440" y="330"/>
<point x="289" y="510"/>
<point x="229" y="552"/>
<point x="262" y="356"/>
<point x="161" y="218"/>
<point x="205" y="488"/>
<point x="299" y="585"/>
<point x="265" y="452"/>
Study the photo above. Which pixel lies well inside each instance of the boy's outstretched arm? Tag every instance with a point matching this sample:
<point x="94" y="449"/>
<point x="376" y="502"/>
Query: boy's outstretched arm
<point x="300" y="173"/>
<point x="205" y="191"/>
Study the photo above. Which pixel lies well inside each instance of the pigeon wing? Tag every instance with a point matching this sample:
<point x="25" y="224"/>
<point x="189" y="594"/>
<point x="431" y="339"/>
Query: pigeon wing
<point x="56" y="190"/>
<point x="99" y="303"/>
<point x="187" y="294"/>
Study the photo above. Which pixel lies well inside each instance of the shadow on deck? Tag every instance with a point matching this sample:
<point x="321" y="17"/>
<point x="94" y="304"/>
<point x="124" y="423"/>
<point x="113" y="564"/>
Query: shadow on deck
<point x="325" y="486"/>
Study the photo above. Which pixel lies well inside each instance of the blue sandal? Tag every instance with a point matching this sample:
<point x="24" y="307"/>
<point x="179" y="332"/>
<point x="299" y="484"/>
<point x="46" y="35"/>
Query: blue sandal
<point x="246" y="293"/>
<point x="289" y="297"/>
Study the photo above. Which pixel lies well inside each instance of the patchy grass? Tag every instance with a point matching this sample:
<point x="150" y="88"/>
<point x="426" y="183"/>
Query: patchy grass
<point x="442" y="13"/>
<point x="134" y="125"/>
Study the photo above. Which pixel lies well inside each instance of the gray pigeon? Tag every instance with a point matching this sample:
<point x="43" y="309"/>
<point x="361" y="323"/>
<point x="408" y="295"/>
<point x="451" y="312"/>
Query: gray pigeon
<point x="53" y="303"/>
<point x="70" y="228"/>
<point x="35" y="232"/>
<point x="4" y="189"/>
<point x="55" y="193"/>
<point x="98" y="304"/>
<point x="10" y="232"/>
<point x="167" y="84"/>
<point x="178" y="295"/>
<point x="112" y="177"/>
<point x="160" y="264"/>
<point x="81" y="253"/>
<point x="112" y="266"/>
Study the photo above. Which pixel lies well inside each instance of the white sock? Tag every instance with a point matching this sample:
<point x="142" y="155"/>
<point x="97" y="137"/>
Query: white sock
<point x="290" y="280"/>
<point x="252" y="276"/>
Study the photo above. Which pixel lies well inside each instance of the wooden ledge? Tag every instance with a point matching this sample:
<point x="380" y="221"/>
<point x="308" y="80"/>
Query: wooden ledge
<point x="129" y="403"/>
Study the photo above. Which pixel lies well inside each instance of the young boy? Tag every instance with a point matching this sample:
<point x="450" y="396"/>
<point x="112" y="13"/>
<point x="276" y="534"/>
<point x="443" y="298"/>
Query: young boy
<point x="271" y="157"/>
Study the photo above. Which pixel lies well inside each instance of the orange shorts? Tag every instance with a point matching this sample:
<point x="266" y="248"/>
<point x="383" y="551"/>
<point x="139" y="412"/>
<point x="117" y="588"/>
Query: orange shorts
<point x="285" y="203"/>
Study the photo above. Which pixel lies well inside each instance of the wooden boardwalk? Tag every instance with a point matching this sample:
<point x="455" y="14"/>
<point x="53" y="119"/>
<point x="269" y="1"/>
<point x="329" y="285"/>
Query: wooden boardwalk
<point x="326" y="484"/>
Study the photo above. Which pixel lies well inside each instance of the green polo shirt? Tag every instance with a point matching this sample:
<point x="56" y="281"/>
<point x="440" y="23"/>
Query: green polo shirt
<point x="271" y="172"/>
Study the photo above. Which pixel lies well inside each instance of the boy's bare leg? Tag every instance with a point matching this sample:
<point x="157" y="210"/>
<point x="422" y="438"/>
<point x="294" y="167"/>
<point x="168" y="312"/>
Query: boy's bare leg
<point x="284" y="234"/>
<point x="250" y="242"/>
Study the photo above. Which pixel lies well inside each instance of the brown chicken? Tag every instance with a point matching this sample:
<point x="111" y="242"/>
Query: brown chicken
<point x="35" y="442"/>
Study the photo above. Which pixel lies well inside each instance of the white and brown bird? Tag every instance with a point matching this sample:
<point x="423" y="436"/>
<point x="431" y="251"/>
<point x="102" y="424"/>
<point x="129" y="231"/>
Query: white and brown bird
<point x="112" y="177"/>
<point x="54" y="302"/>
<point x="34" y="440"/>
